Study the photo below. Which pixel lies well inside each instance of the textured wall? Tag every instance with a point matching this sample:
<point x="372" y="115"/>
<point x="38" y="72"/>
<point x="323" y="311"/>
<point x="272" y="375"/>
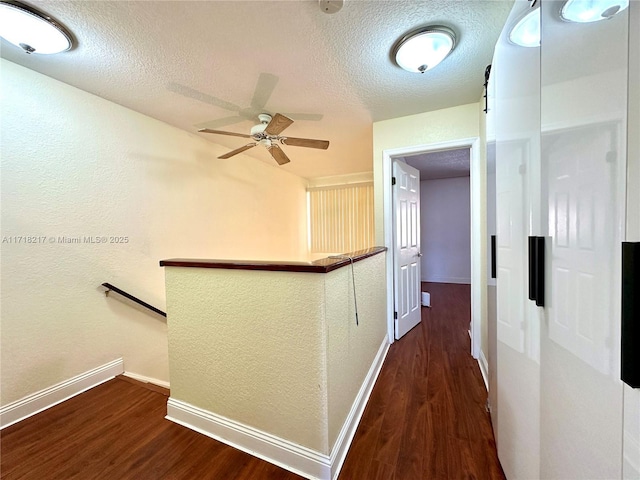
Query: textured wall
<point x="422" y="129"/>
<point x="278" y="351"/>
<point x="73" y="165"/>
<point x="350" y="348"/>
<point x="249" y="345"/>
<point x="445" y="230"/>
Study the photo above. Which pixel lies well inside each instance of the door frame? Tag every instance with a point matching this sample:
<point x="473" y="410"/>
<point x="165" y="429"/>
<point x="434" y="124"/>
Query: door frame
<point x="478" y="260"/>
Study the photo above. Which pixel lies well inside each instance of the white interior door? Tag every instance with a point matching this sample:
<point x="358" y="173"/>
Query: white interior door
<point x="407" y="288"/>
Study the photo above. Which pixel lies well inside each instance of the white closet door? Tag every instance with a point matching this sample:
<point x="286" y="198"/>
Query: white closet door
<point x="631" y="435"/>
<point x="516" y="72"/>
<point x="583" y="153"/>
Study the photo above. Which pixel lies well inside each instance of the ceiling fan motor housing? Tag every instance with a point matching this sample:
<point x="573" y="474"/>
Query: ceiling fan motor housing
<point x="267" y="134"/>
<point x="264" y="118"/>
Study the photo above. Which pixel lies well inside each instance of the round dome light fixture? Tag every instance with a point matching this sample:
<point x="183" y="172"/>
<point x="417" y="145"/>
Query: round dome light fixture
<point x="526" y="33"/>
<point x="31" y="30"/>
<point x="587" y="11"/>
<point x="424" y="48"/>
<point x="330" y="6"/>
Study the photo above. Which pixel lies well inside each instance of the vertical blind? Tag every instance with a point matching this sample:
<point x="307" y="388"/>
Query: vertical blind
<point x="341" y="218"/>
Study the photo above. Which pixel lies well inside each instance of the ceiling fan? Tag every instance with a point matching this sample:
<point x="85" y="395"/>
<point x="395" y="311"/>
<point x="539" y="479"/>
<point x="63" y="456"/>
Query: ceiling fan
<point x="267" y="133"/>
<point x="264" y="88"/>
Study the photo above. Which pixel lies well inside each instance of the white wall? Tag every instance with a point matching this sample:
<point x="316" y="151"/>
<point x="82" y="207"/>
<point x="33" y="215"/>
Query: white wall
<point x="445" y="230"/>
<point x="74" y="164"/>
<point x="421" y="129"/>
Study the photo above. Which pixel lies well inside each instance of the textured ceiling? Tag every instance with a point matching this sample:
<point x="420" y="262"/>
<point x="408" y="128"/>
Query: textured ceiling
<point x="443" y="164"/>
<point x="190" y="63"/>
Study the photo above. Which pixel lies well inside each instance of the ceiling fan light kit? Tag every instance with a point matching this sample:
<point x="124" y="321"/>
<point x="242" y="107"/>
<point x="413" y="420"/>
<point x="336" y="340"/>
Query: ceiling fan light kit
<point x="267" y="133"/>
<point x="424" y="48"/>
<point x="32" y="30"/>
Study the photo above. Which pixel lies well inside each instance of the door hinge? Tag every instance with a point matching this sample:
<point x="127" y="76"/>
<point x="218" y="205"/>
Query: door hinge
<point x="393" y="180"/>
<point x="395" y="315"/>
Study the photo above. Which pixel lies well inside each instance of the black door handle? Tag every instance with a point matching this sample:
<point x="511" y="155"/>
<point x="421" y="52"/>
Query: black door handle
<point x="494" y="263"/>
<point x="536" y="270"/>
<point x="630" y="351"/>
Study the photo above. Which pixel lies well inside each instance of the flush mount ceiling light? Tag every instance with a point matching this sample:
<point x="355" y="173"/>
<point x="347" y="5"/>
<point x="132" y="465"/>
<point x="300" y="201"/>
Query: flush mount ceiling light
<point x="423" y="49"/>
<point x="330" y="6"/>
<point x="32" y="30"/>
<point x="586" y="11"/>
<point x="526" y="32"/>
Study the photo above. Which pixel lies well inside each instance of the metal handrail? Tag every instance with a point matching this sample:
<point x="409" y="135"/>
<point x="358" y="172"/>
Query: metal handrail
<point x="119" y="291"/>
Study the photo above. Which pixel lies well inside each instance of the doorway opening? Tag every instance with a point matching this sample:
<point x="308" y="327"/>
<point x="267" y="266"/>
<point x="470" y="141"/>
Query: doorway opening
<point x="412" y="155"/>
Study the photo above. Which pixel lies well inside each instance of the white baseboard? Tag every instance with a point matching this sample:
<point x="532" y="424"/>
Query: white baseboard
<point x="484" y="369"/>
<point x="288" y="455"/>
<point x="47" y="398"/>
<point x="440" y="279"/>
<point x="144" y="379"/>
<point x="341" y="447"/>
<point x="284" y="453"/>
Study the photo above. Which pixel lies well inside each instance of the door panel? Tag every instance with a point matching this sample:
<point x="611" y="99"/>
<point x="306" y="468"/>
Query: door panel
<point x="583" y="145"/>
<point x="407" y="247"/>
<point x="517" y="102"/>
<point x="631" y="435"/>
<point x="581" y="174"/>
<point x="561" y="412"/>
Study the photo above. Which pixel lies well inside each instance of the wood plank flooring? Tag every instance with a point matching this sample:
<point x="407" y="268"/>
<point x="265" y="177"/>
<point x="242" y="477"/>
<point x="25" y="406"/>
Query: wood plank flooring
<point x="117" y="431"/>
<point x="425" y="420"/>
<point x="426" y="417"/>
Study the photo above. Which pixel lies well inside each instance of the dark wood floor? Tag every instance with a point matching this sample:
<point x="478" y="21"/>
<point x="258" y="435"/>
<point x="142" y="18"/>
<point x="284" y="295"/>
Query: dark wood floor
<point x="425" y="420"/>
<point x="426" y="417"/>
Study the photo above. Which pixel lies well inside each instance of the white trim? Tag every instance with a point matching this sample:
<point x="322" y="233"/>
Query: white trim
<point x="387" y="220"/>
<point x="478" y="235"/>
<point x="284" y="453"/>
<point x="343" y="442"/>
<point x="439" y="279"/>
<point x="484" y="369"/>
<point x="47" y="398"/>
<point x="288" y="455"/>
<point x="144" y="379"/>
<point x="337" y="187"/>
<point x="473" y="143"/>
<point x="336" y="180"/>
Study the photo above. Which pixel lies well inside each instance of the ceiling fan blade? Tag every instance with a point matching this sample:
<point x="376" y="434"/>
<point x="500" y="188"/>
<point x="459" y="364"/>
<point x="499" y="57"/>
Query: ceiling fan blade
<point x="313" y="117"/>
<point x="264" y="88"/>
<point x="203" y="97"/>
<point x="220" y="122"/>
<point x="277" y="124"/>
<point x="278" y="155"/>
<point x="221" y="132"/>
<point x="306" y="142"/>
<point x="238" y="150"/>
